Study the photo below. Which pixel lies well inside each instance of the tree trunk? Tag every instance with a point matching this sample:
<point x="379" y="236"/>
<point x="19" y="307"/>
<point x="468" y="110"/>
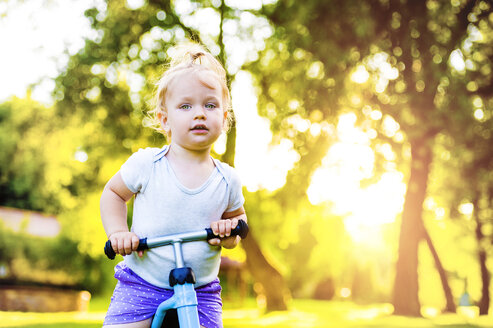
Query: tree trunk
<point x="229" y="154"/>
<point x="450" y="306"/>
<point x="484" y="302"/>
<point x="405" y="295"/>
<point x="271" y="280"/>
<point x="261" y="270"/>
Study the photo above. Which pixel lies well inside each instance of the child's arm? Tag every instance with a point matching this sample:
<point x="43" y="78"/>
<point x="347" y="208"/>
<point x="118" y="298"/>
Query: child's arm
<point x="113" y="207"/>
<point x="224" y="226"/>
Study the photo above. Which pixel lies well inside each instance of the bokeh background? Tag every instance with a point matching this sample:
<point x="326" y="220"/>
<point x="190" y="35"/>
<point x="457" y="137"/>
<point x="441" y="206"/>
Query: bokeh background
<point x="363" y="138"/>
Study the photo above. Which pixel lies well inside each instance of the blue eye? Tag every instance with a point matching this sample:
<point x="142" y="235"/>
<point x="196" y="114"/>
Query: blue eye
<point x="185" y="106"/>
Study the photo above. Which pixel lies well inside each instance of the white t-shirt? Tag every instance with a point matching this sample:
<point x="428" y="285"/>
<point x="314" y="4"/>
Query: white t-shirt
<point x="163" y="206"/>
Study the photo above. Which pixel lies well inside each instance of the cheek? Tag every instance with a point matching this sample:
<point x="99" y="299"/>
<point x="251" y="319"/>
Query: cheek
<point x="220" y="118"/>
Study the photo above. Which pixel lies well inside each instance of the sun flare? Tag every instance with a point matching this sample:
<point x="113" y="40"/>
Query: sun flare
<point x="337" y="182"/>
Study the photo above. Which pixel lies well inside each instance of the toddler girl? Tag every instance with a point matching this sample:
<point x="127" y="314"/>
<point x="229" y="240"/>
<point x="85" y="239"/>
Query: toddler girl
<point x="177" y="188"/>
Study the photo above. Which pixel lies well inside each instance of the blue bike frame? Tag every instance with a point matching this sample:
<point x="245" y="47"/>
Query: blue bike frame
<point x="182" y="278"/>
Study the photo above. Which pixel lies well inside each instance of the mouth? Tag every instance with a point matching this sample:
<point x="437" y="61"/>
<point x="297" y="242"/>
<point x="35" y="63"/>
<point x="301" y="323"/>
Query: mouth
<point x="199" y="128"/>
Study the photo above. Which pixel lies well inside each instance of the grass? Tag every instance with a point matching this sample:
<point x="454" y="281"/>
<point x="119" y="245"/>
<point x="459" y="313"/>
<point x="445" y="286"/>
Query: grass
<point x="303" y="313"/>
<point x="310" y="313"/>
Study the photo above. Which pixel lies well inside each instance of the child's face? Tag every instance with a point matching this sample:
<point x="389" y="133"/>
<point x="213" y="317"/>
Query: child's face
<point x="194" y="110"/>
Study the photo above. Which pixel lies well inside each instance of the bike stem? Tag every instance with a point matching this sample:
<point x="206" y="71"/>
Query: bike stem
<point x="180" y="263"/>
<point x="184" y="299"/>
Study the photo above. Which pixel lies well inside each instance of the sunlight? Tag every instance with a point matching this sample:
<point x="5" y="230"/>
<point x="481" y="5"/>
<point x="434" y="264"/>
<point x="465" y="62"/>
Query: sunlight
<point x="429" y="312"/>
<point x="375" y="206"/>
<point x="345" y="292"/>
<point x="382" y="71"/>
<point x="380" y="63"/>
<point x="134" y="4"/>
<point x="466" y="209"/>
<point x="338" y="182"/>
<point x="370" y="313"/>
<point x="479" y="114"/>
<point x="457" y="60"/>
<point x="470" y="312"/>
<point x="259" y="164"/>
<point x="39" y="32"/>
<point x="81" y="156"/>
<point x="361" y="75"/>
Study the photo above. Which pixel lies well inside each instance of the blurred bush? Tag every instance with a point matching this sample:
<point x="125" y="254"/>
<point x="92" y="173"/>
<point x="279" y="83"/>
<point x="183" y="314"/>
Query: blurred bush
<point x="32" y="260"/>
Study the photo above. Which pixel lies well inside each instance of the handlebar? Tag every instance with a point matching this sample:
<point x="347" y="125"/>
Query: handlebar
<point x="205" y="234"/>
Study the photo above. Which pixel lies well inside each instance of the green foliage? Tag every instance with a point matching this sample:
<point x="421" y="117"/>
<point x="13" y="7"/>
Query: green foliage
<point x="303" y="75"/>
<point x="38" y="169"/>
<point x="54" y="261"/>
<point x="83" y="226"/>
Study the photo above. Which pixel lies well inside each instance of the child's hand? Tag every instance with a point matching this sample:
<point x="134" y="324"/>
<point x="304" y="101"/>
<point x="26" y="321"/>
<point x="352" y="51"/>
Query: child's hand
<point x="124" y="243"/>
<point x="222" y="228"/>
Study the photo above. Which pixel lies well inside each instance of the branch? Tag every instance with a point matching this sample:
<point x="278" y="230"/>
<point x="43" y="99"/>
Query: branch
<point x="458" y="33"/>
<point x="167" y="7"/>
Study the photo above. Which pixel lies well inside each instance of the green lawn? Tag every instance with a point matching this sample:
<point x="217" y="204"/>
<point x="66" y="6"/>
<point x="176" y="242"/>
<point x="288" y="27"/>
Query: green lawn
<point x="303" y="313"/>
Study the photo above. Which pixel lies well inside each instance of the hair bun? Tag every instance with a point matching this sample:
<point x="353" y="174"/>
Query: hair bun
<point x="196" y="55"/>
<point x="186" y="54"/>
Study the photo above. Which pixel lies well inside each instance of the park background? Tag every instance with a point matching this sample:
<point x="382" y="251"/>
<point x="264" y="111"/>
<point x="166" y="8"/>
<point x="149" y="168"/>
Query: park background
<point x="363" y="138"/>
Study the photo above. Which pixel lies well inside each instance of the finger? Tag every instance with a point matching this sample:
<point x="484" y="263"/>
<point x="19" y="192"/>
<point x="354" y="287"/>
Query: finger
<point x="215" y="227"/>
<point x="234" y="223"/>
<point x="135" y="243"/>
<point x="121" y="249"/>
<point x="114" y="245"/>
<point x="140" y="253"/>
<point x="127" y="245"/>
<point x="215" y="241"/>
<point x="222" y="228"/>
<point x="227" y="227"/>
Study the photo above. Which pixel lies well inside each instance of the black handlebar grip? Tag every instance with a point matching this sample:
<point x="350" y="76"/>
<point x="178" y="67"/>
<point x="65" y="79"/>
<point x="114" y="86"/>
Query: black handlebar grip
<point x="240" y="230"/>
<point x="108" y="250"/>
<point x="142" y="245"/>
<point x="110" y="253"/>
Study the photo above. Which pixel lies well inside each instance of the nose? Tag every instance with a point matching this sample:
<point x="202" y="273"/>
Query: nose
<point x="199" y="113"/>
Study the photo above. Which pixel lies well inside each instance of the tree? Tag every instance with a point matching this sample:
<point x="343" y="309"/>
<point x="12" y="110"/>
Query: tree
<point x="109" y="83"/>
<point x="41" y="168"/>
<point x="476" y="141"/>
<point x="428" y="78"/>
<point x="407" y="50"/>
<point x="472" y="157"/>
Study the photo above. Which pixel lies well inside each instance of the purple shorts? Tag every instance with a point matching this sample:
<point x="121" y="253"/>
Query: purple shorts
<point x="134" y="299"/>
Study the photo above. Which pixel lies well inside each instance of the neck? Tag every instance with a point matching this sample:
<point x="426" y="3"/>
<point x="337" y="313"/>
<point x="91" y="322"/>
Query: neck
<point x="190" y="155"/>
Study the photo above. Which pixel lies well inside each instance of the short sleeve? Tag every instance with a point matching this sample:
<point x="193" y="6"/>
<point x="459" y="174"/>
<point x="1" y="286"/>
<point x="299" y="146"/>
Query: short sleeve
<point x="137" y="170"/>
<point x="236" y="198"/>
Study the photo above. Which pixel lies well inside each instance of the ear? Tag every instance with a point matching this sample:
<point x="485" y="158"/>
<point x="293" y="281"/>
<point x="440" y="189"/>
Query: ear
<point x="225" y="119"/>
<point x="163" y="119"/>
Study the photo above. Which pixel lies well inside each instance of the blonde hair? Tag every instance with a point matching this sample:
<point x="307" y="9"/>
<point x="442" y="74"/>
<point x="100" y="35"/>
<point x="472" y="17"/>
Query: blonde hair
<point x="187" y="57"/>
